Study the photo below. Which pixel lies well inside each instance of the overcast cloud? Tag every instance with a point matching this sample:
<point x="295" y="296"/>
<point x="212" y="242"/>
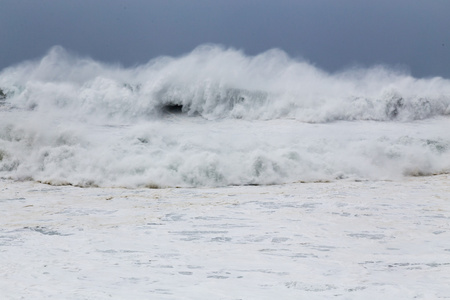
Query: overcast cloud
<point x="332" y="34"/>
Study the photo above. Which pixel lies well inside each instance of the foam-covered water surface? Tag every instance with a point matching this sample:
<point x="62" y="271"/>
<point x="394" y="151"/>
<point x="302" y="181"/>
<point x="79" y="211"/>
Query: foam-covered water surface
<point x="343" y="240"/>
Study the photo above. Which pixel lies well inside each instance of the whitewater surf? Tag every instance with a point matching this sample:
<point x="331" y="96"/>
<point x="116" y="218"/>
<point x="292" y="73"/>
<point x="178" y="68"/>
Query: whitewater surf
<point x="217" y="117"/>
<point x="276" y="179"/>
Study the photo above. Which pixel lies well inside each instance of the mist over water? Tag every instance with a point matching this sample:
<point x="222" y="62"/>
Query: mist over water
<point x="217" y="117"/>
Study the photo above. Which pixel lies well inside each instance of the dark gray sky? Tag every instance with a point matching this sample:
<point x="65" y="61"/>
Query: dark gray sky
<point x="332" y="34"/>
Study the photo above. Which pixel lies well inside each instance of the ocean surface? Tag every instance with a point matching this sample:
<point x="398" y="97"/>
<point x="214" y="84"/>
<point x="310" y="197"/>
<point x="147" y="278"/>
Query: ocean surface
<point x="217" y="175"/>
<point x="323" y="240"/>
<point x="217" y="117"/>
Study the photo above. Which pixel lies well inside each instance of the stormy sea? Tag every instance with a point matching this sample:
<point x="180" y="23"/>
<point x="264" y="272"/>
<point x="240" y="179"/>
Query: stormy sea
<point x="219" y="175"/>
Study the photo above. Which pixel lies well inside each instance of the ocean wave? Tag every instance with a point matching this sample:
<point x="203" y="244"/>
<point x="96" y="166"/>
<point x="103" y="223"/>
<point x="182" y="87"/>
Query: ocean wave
<point x="196" y="152"/>
<point x="218" y="83"/>
<point x="217" y="117"/>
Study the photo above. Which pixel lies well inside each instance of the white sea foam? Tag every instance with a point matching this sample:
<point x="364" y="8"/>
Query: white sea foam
<point x="217" y="117"/>
<point x="338" y="240"/>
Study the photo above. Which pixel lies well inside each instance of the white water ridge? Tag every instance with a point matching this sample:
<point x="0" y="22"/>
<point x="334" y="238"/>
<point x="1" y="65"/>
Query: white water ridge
<point x="217" y="117"/>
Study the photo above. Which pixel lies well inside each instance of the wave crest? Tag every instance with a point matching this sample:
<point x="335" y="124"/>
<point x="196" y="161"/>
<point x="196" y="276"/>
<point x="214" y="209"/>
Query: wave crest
<point x="218" y="83"/>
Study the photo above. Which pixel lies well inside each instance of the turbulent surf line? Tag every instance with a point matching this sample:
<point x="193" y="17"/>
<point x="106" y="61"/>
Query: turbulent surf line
<point x="222" y="83"/>
<point x="217" y="117"/>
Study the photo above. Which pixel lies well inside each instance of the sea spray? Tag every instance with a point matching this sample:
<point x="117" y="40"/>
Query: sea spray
<point x="218" y="83"/>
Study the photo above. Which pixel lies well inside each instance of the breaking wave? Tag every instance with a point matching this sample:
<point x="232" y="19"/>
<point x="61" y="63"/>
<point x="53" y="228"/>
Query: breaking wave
<point x="218" y="83"/>
<point x="217" y="117"/>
